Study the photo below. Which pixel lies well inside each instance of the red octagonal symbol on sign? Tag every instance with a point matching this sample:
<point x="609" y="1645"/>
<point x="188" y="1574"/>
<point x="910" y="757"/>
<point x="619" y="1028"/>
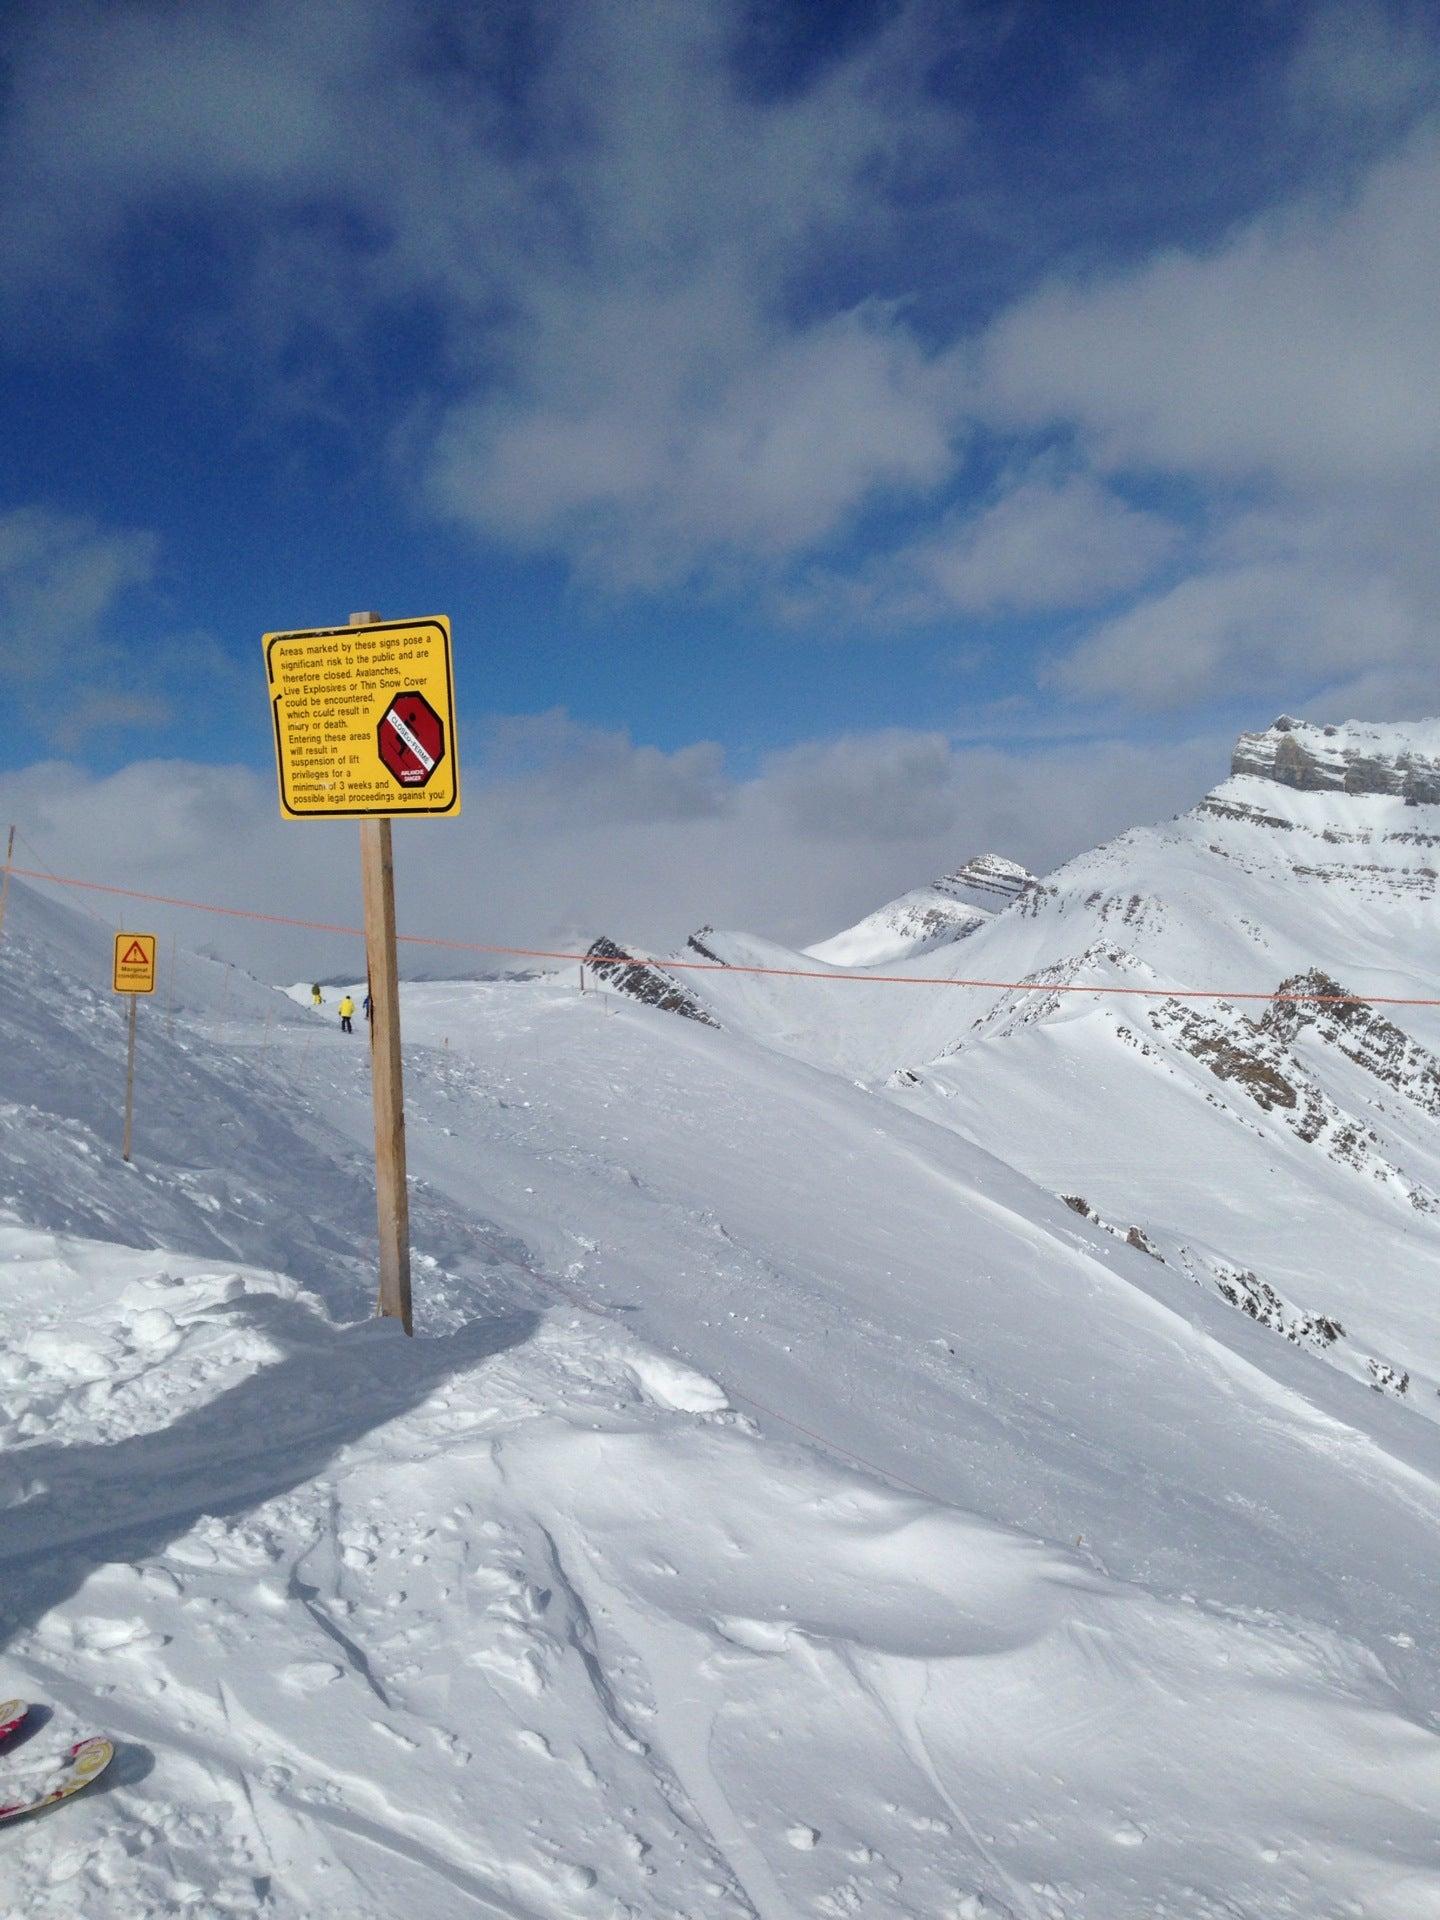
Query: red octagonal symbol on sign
<point x="412" y="739"/>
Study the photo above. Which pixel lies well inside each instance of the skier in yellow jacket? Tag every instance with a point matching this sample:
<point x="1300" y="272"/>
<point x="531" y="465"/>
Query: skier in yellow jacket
<point x="347" y="1009"/>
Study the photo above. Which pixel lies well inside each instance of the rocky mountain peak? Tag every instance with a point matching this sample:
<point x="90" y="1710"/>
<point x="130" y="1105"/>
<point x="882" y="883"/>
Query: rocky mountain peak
<point x="1397" y="759"/>
<point x="986" y="879"/>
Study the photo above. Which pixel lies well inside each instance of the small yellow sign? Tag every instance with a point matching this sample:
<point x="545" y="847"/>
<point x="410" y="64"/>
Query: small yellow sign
<point x="364" y="720"/>
<point x="135" y="963"/>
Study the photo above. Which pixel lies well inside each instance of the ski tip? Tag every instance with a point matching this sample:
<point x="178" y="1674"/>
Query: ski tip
<point x="12" y="1714"/>
<point x="84" y="1762"/>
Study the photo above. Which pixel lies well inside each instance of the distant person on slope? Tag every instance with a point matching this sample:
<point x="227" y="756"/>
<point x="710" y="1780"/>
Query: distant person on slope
<point x="347" y="1009"/>
<point x="317" y="998"/>
<point x="369" y="1008"/>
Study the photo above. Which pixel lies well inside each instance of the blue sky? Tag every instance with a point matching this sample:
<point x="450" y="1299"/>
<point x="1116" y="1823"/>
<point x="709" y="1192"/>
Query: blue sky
<point x="974" y="411"/>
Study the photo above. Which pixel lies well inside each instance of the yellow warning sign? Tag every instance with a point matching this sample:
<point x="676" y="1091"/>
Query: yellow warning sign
<point x="364" y="720"/>
<point x="135" y="963"/>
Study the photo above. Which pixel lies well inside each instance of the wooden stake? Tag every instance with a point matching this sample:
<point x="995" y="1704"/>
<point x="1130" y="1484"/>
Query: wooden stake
<point x="5" y="879"/>
<point x="392" y="1198"/>
<point x="130" y="1076"/>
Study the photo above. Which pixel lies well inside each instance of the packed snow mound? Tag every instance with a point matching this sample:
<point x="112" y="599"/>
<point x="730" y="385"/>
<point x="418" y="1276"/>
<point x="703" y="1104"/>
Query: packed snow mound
<point x="927" y="918"/>
<point x="1359" y="757"/>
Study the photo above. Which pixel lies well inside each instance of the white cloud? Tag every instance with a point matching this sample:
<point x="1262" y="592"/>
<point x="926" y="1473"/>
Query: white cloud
<point x="1365" y="59"/>
<point x="1045" y="542"/>
<point x="691" y="441"/>
<point x="1245" y="631"/>
<point x="891" y="786"/>
<point x="656" y="361"/>
<point x="115" y="111"/>
<point x="612" y="232"/>
<point x="551" y="765"/>
<point x="1301" y="351"/>
<point x="663" y="406"/>
<point x="1325" y="605"/>
<point x="560" y="847"/>
<point x="61" y="576"/>
<point x="1288" y="377"/>
<point x="68" y="586"/>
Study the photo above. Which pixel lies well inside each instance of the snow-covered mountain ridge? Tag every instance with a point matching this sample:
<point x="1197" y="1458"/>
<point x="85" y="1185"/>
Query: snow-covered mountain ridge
<point x="1284" y="1142"/>
<point x="926" y="918"/>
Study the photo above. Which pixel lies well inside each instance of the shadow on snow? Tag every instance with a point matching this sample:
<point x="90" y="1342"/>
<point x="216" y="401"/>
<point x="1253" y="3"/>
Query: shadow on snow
<point x="66" y="1511"/>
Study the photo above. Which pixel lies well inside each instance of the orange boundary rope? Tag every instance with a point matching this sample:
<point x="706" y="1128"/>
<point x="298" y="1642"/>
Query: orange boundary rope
<point x="602" y="961"/>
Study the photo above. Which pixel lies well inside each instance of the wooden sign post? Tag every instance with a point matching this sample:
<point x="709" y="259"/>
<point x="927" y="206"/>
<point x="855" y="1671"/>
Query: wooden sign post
<point x="364" y="722"/>
<point x="129" y="1082"/>
<point x="5" y="878"/>
<point x="382" y="971"/>
<point x="392" y="1195"/>
<point x="134" y="974"/>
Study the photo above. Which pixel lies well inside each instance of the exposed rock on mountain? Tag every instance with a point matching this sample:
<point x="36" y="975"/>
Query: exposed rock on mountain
<point x="1132" y="1236"/>
<point x="1243" y="1289"/>
<point x="1260" y="1057"/>
<point x="1356" y="758"/>
<point x="1260" y="1300"/>
<point x="642" y="981"/>
<point x="1362" y="1033"/>
<point x="986" y="880"/>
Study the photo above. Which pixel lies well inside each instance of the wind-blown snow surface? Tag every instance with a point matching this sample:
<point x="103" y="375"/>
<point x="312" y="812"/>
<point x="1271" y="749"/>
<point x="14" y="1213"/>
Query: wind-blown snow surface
<point x="786" y="1509"/>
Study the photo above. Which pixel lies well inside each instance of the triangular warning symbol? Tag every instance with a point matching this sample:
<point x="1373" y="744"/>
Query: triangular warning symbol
<point x="135" y="956"/>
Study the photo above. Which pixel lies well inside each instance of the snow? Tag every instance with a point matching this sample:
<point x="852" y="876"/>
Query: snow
<point x="790" y="1506"/>
<point x="917" y="922"/>
<point x="927" y="918"/>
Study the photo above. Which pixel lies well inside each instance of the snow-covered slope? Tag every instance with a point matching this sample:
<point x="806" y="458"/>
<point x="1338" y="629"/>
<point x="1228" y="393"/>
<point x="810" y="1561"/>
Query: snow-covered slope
<point x="925" y="918"/>
<point x="1285" y="1156"/>
<point x="787" y="1507"/>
